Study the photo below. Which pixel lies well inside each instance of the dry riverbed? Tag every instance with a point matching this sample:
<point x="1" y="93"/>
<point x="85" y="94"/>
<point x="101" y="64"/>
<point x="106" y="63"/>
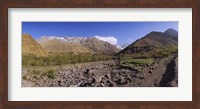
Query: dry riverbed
<point x="161" y="73"/>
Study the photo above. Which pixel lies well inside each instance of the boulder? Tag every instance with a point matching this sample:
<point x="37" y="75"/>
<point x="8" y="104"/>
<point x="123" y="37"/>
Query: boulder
<point x="139" y="76"/>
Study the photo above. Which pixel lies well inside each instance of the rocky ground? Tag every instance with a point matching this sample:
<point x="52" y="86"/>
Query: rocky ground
<point x="162" y="73"/>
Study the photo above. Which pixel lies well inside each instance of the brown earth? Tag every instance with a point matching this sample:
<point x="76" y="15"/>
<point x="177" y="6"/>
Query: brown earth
<point x="30" y="46"/>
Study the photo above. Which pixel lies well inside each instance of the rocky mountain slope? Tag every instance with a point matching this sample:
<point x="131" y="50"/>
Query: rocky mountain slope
<point x="99" y="46"/>
<point x="77" y="44"/>
<point x="30" y="46"/>
<point x="153" y="40"/>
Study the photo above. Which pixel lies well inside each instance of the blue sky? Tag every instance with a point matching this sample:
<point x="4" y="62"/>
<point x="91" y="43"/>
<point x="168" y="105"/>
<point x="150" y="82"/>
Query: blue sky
<point x="123" y="32"/>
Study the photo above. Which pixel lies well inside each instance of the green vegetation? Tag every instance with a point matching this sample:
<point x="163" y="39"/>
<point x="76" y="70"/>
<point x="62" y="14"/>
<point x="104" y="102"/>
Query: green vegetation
<point x="135" y="63"/>
<point x="156" y="53"/>
<point x="61" y="59"/>
<point x="137" y="60"/>
<point x="48" y="73"/>
<point x="164" y="52"/>
<point x="24" y="77"/>
<point x="35" y="72"/>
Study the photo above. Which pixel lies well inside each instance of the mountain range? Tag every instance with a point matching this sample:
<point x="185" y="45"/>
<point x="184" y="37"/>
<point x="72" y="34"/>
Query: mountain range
<point x="59" y="46"/>
<point x="76" y="45"/>
<point x="93" y="45"/>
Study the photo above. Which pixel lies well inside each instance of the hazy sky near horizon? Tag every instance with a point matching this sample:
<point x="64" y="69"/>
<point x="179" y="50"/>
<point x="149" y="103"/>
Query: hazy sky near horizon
<point x="114" y="32"/>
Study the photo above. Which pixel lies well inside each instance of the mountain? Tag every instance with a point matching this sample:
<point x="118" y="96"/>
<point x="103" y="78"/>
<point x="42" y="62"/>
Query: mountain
<point x="99" y="46"/>
<point x="153" y="40"/>
<point x="60" y="47"/>
<point x="74" y="40"/>
<point x="172" y="33"/>
<point x="122" y="46"/>
<point x="30" y="46"/>
<point x="76" y="44"/>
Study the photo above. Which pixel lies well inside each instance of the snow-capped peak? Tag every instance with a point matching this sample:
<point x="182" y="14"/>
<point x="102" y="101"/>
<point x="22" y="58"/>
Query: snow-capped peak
<point x="62" y="39"/>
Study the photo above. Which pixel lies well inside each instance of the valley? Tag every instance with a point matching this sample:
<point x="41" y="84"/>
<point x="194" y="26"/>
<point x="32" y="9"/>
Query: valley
<point x="102" y="74"/>
<point x="151" y="61"/>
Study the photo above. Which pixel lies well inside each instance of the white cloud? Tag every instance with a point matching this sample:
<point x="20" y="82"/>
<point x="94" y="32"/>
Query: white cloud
<point x="110" y="39"/>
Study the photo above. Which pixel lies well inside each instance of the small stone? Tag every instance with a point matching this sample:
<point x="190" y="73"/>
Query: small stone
<point x="139" y="75"/>
<point x="150" y="71"/>
<point x="93" y="80"/>
<point x="59" y="82"/>
<point x="121" y="81"/>
<point x="102" y="84"/>
<point x="72" y="70"/>
<point x="87" y="70"/>
<point x="98" y="85"/>
<point x="107" y="76"/>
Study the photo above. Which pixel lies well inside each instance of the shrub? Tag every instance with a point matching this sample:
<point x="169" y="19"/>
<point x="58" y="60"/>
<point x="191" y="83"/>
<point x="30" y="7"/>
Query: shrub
<point x="24" y="77"/>
<point x="62" y="58"/>
<point x="49" y="73"/>
<point x="160" y="52"/>
<point x="35" y="72"/>
<point x="137" y="61"/>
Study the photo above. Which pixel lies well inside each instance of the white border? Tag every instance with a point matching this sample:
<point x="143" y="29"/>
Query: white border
<point x="182" y="93"/>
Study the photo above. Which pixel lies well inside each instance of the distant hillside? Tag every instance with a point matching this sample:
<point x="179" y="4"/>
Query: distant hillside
<point x="99" y="46"/>
<point x="153" y="40"/>
<point x="30" y="46"/>
<point x="77" y="44"/>
<point x="60" y="47"/>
